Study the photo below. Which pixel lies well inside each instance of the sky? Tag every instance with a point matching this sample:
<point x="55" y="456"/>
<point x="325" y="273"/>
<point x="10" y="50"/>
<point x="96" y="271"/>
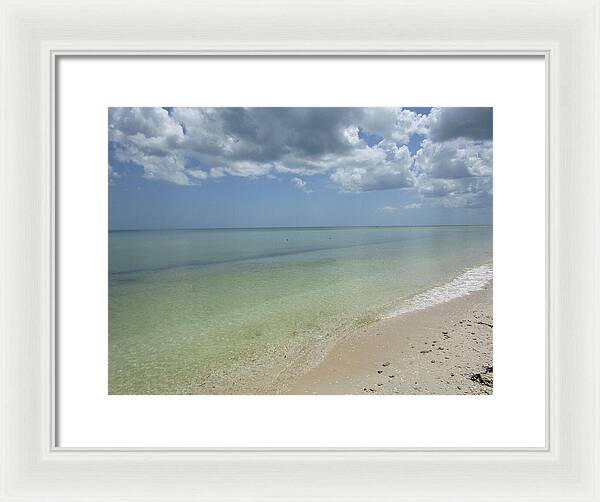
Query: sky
<point x="279" y="167"/>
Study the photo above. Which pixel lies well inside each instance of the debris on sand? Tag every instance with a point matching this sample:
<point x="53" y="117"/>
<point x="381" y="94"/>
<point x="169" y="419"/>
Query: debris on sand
<point x="486" y="377"/>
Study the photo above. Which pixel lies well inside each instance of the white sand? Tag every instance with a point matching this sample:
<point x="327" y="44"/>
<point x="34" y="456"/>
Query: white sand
<point x="443" y="349"/>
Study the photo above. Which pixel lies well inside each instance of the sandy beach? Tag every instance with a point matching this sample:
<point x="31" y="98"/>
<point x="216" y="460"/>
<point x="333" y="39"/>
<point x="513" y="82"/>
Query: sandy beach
<point x="300" y="250"/>
<point x="444" y="349"/>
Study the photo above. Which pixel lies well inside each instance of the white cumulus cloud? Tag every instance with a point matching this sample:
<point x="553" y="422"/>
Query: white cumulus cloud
<point x="355" y="149"/>
<point x="300" y="184"/>
<point x="383" y="167"/>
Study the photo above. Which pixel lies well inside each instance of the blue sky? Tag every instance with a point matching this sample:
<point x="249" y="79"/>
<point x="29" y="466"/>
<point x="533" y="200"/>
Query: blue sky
<point x="255" y="167"/>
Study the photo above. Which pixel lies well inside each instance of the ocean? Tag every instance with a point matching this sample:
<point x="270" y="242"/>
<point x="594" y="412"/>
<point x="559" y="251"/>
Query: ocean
<point x="241" y="311"/>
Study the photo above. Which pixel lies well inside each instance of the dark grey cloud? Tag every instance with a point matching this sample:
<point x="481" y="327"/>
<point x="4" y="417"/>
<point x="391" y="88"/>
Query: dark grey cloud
<point x="309" y="132"/>
<point x="466" y="123"/>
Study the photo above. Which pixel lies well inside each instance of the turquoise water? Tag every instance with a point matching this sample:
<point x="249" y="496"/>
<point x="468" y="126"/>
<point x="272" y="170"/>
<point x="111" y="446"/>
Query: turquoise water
<point x="232" y="311"/>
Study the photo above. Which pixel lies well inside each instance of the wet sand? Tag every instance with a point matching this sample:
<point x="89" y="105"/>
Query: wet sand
<point x="444" y="349"/>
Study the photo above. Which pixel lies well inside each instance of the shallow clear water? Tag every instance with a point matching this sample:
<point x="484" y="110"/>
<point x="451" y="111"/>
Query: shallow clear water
<point x="233" y="311"/>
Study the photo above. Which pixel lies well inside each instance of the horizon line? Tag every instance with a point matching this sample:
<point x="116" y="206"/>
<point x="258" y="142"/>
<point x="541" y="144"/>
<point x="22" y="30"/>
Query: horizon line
<point x="293" y="227"/>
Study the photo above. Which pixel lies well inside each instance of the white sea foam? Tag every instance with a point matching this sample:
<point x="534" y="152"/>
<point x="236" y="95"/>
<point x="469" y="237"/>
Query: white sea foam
<point x="472" y="280"/>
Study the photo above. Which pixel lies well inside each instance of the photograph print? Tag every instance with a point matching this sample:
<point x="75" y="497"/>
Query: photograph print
<point x="300" y="251"/>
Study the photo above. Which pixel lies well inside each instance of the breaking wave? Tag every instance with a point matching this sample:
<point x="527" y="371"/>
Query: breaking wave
<point x="472" y="280"/>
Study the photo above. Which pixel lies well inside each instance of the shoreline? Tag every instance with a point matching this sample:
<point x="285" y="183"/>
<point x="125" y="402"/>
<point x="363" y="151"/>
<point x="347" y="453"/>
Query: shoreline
<point x="431" y="349"/>
<point x="442" y="349"/>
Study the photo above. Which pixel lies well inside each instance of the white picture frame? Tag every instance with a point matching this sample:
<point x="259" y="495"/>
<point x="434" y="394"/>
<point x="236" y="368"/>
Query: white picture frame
<point x="34" y="35"/>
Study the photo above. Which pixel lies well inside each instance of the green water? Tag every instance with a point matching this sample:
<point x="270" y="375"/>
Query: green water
<point x="235" y="311"/>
